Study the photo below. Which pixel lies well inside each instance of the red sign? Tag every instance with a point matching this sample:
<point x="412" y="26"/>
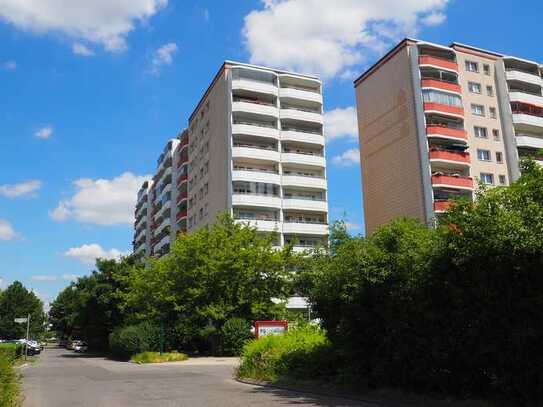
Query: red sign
<point x="263" y="328"/>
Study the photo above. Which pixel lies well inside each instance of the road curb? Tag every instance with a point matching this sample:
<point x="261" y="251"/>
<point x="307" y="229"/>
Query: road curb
<point x="312" y="390"/>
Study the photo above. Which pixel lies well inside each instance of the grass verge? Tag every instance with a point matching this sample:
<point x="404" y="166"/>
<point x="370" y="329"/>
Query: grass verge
<point x="9" y="383"/>
<point x="156" y="357"/>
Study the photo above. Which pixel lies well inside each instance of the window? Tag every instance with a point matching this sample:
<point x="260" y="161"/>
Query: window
<point x="502" y="179"/>
<point x="480" y="132"/>
<point x="486" y="69"/>
<point x="487" y="178"/>
<point x="499" y="157"/>
<point x="478" y="110"/>
<point x="443" y="98"/>
<point x="492" y="111"/>
<point x="483" y="155"/>
<point x="472" y="66"/>
<point x="496" y="134"/>
<point x="489" y="91"/>
<point x="474" y="87"/>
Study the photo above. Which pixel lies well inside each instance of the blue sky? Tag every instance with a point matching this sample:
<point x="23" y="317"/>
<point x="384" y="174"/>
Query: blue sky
<point x="90" y="92"/>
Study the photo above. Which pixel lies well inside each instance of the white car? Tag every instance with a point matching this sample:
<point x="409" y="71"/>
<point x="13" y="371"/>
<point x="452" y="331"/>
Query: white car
<point x="81" y="347"/>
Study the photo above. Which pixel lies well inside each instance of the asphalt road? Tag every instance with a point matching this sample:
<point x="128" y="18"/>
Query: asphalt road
<point x="64" y="379"/>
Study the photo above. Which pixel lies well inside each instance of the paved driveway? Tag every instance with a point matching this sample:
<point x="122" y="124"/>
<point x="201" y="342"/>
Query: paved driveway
<point x="64" y="379"/>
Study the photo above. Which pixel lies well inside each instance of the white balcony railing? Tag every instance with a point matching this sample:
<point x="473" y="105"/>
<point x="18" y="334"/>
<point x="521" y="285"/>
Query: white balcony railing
<point x="302" y="137"/>
<point x="255" y="108"/>
<point x="250" y="129"/>
<point x="256" y="176"/>
<point x="529" y="141"/>
<point x="304" y="182"/>
<point x="254" y="86"/>
<point x="524" y="97"/>
<point x="305" y="228"/>
<point x="305" y="159"/>
<point x="262" y="225"/>
<point x="513" y="75"/>
<point x="300" y="94"/>
<point x="262" y="201"/>
<point x="165" y="206"/>
<point x="255" y="153"/>
<point x="305" y="204"/>
<point x="528" y="120"/>
<point x="165" y="223"/>
<point x="164" y="241"/>
<point x="301" y="115"/>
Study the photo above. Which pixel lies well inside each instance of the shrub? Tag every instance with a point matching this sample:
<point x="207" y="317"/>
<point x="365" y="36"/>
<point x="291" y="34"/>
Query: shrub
<point x="9" y="382"/>
<point x="300" y="353"/>
<point x="156" y="357"/>
<point x="11" y="351"/>
<point x="133" y="339"/>
<point x="235" y="334"/>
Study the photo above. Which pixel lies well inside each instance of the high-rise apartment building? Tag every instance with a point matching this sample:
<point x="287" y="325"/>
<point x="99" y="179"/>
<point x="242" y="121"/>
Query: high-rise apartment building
<point x="434" y="121"/>
<point x="254" y="148"/>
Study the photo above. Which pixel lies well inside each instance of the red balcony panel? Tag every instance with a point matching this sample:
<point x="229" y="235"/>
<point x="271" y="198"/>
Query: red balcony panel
<point x="181" y="214"/>
<point x="433" y="83"/>
<point x="459" y="182"/>
<point x="439" y="62"/>
<point x="437" y="154"/>
<point x="438" y="107"/>
<point x="441" y="206"/>
<point x="182" y="196"/>
<point x="185" y="141"/>
<point x="446" y="131"/>
<point x="182" y="179"/>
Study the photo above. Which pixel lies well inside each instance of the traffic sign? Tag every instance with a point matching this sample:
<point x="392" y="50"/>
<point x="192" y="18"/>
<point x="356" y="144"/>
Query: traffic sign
<point x="21" y="320"/>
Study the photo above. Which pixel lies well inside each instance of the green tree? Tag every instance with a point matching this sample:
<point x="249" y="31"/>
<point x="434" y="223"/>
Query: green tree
<point x="18" y="302"/>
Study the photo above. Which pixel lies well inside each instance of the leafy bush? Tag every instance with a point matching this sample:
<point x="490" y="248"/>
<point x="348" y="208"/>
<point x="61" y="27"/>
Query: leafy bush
<point x="11" y="351"/>
<point x="9" y="381"/>
<point x="300" y="353"/>
<point x="454" y="309"/>
<point x="156" y="357"/>
<point x="235" y="334"/>
<point x="133" y="339"/>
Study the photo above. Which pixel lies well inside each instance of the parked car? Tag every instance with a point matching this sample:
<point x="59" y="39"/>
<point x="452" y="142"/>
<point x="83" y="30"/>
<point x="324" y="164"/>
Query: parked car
<point x="32" y="347"/>
<point x="81" y="347"/>
<point x="63" y="343"/>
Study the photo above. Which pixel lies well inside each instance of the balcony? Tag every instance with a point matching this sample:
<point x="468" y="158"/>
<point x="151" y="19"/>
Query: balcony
<point x="521" y="76"/>
<point x="254" y="86"/>
<point x="181" y="214"/>
<point x="163" y="175"/>
<point x="182" y="178"/>
<point x="261" y="201"/>
<point x="303" y="158"/>
<point x="297" y="203"/>
<point x="441" y="206"/>
<point x="302" y="136"/>
<point x="449" y="181"/>
<point x="255" y="152"/>
<point x="305" y="228"/>
<point x="183" y="160"/>
<point x="530" y="142"/>
<point x="255" y="129"/>
<point x="256" y="175"/>
<point x="449" y="158"/>
<point x="443" y="109"/>
<point x="140" y="235"/>
<point x="295" y="180"/>
<point x="164" y="241"/>
<point x="446" y="132"/>
<point x="528" y="122"/>
<point x="441" y="85"/>
<point x="262" y="225"/>
<point x="525" y="97"/>
<point x="300" y="114"/>
<point x="254" y="107"/>
<point x="182" y="197"/>
<point x="165" y="223"/>
<point x="165" y="206"/>
<point x="436" y="62"/>
<point x="300" y="93"/>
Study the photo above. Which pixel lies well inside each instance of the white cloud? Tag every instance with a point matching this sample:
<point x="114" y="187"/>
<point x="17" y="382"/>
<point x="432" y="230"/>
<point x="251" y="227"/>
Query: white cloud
<point x="353" y="226"/>
<point x="163" y="56"/>
<point x="326" y="37"/>
<point x="20" y="189"/>
<point x="101" y="201"/>
<point x="45" y="132"/>
<point x="3" y="283"/>
<point x="44" y="278"/>
<point x="6" y="230"/>
<point x="70" y="277"/>
<point x="433" y="19"/>
<point x="105" y="22"/>
<point x="82" y="49"/>
<point x="341" y="123"/>
<point x="88" y="253"/>
<point x="10" y="65"/>
<point x="348" y="158"/>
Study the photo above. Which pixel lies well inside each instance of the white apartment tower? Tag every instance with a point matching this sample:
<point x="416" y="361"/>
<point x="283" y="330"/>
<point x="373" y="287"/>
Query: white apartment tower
<point x="254" y="148"/>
